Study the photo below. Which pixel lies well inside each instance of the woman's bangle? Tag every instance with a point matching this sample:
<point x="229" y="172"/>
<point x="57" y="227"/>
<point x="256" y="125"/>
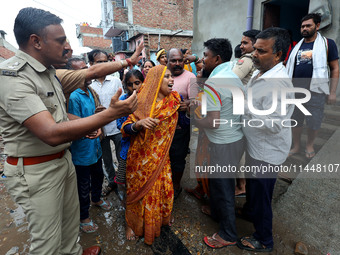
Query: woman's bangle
<point x="132" y="127"/>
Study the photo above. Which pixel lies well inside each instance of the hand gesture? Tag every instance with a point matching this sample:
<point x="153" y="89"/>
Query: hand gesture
<point x="331" y="98"/>
<point x="135" y="56"/>
<point x="184" y="105"/>
<point x="148" y="123"/>
<point x="94" y="134"/>
<point x="122" y="108"/>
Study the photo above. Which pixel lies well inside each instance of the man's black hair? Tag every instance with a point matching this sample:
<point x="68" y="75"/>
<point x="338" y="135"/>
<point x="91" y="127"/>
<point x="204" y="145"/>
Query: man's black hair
<point x="220" y="46"/>
<point x="315" y="16"/>
<point x="237" y="51"/>
<point x="32" y="21"/>
<point x="252" y="33"/>
<point x="71" y="60"/>
<point x="92" y="54"/>
<point x="281" y="38"/>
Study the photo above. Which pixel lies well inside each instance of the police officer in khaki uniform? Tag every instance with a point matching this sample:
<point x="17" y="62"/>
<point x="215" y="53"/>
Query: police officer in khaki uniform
<point x="244" y="67"/>
<point x="37" y="133"/>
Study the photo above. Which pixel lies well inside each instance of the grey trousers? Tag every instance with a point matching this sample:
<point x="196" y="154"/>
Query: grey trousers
<point x="222" y="187"/>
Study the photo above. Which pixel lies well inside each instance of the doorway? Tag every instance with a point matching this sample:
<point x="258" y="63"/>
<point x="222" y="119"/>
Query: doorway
<point x="285" y="14"/>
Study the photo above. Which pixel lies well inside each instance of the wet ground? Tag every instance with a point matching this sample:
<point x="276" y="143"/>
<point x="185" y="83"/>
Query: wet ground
<point x="185" y="236"/>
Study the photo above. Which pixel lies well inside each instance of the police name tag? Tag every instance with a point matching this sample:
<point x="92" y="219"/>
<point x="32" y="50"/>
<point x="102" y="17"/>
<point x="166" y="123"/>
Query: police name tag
<point x="9" y="72"/>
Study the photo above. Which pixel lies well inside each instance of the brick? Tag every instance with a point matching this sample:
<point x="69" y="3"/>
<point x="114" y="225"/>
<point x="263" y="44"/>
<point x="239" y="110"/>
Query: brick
<point x="97" y="40"/>
<point x="6" y="53"/>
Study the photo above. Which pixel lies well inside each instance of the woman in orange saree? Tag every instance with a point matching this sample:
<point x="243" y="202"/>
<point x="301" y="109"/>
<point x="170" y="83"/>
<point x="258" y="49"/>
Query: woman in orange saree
<point x="149" y="190"/>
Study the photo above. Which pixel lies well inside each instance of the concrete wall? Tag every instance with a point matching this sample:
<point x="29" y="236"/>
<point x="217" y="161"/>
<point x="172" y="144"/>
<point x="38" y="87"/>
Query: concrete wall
<point x="220" y="19"/>
<point x="227" y="18"/>
<point x="333" y="30"/>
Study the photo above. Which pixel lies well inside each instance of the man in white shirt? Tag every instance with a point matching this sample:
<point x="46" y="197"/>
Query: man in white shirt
<point x="105" y="87"/>
<point x="268" y="138"/>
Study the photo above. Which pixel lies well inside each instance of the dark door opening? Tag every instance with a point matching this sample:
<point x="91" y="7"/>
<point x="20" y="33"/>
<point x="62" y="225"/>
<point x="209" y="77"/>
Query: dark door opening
<point x="285" y="14"/>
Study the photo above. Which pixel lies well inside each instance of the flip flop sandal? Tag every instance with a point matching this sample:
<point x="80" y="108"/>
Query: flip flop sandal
<point x="241" y="195"/>
<point x="258" y="247"/>
<point x="86" y="224"/>
<point x="310" y="155"/>
<point x="290" y="154"/>
<point x="207" y="241"/>
<point x="105" y="206"/>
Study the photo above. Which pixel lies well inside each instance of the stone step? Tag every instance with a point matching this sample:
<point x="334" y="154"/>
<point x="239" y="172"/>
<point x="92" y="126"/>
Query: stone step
<point x="310" y="208"/>
<point x="327" y="130"/>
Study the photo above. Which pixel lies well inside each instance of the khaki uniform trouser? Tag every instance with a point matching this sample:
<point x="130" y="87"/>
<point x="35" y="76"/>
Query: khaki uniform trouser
<point x="48" y="195"/>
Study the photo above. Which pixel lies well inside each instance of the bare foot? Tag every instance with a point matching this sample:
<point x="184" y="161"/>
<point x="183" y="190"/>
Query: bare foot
<point x="130" y="235"/>
<point x="215" y="241"/>
<point x="239" y="191"/>
<point x="206" y="210"/>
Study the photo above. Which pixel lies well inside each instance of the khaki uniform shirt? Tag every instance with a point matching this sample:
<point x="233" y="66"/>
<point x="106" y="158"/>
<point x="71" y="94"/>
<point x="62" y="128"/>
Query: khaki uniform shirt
<point x="244" y="68"/>
<point x="27" y="88"/>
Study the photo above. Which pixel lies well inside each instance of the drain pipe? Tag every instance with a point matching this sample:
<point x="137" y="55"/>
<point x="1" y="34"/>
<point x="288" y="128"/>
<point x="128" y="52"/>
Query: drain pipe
<point x="159" y="42"/>
<point x="250" y="13"/>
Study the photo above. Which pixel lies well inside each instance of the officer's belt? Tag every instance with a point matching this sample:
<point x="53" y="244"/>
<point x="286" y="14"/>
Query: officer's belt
<point x="35" y="160"/>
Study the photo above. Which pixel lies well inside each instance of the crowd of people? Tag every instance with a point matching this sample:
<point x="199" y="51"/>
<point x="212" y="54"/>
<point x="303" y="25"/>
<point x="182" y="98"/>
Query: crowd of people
<point x="49" y="99"/>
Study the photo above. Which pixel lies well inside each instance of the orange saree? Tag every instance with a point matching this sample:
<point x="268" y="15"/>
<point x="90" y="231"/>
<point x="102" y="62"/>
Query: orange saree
<point x="148" y="175"/>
